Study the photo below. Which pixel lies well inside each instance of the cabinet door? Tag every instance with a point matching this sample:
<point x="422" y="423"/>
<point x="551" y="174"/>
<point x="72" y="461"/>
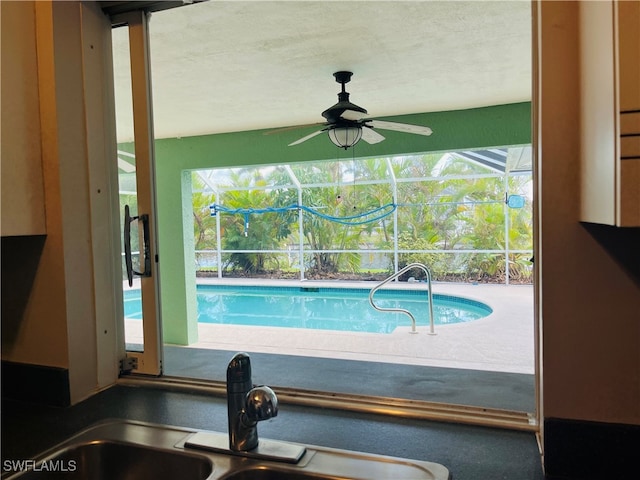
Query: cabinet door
<point x="629" y="55"/>
<point x="610" y="112"/>
<point x="22" y="188"/>
<point x="628" y="66"/>
<point x="598" y="113"/>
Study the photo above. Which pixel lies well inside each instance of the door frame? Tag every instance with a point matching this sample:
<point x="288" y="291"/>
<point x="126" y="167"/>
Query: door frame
<point x="152" y="364"/>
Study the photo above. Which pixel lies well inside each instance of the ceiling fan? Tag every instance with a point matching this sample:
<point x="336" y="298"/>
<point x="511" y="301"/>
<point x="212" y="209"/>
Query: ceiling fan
<point x="346" y="122"/>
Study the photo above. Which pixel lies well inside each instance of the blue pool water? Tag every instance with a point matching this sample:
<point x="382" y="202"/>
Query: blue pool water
<point x="321" y="308"/>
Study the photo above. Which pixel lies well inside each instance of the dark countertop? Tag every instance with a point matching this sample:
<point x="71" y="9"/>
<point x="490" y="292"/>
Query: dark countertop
<point x="469" y="452"/>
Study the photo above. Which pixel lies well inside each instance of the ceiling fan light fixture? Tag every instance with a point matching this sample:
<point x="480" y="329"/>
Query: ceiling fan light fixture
<point x="345" y="136"/>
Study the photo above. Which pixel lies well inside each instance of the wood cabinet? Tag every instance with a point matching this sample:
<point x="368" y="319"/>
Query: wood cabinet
<point x="610" y="112"/>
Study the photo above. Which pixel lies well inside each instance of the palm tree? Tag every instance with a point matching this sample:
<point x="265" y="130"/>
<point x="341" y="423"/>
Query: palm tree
<point x="244" y="230"/>
<point x="443" y="203"/>
<point x="321" y="233"/>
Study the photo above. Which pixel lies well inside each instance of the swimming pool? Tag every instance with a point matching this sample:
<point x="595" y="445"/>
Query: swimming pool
<point x="321" y="308"/>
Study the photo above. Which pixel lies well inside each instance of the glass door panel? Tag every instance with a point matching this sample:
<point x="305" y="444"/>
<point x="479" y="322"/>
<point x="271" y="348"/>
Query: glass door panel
<point x="135" y="187"/>
<point x="127" y="189"/>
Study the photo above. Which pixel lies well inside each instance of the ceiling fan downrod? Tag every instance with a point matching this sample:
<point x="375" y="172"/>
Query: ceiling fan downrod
<point x="343" y="78"/>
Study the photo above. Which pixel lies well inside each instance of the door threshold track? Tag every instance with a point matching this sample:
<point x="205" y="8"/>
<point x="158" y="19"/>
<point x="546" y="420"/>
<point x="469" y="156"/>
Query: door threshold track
<point x="395" y="407"/>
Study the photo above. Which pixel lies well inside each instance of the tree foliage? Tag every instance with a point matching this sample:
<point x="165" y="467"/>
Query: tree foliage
<point x="443" y="203"/>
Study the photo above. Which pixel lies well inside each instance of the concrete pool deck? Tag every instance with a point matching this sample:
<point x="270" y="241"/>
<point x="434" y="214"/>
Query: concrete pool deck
<point x="501" y="342"/>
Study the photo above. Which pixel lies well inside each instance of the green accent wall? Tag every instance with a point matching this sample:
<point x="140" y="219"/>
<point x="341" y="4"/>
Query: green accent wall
<point x="453" y="130"/>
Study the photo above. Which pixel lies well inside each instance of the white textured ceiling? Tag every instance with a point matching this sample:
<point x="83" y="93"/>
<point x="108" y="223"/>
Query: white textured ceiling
<point x="223" y="66"/>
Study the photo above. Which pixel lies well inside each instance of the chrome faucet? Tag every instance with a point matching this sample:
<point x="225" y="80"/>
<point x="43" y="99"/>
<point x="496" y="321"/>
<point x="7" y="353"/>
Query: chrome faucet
<point x="246" y="405"/>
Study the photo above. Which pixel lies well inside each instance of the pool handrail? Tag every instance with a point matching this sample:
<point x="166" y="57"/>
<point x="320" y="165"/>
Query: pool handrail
<point x="402" y="310"/>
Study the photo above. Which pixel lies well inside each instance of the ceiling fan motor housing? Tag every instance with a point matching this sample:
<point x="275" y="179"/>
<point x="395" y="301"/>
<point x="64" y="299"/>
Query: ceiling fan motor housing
<point x="343" y="77"/>
<point x="334" y="113"/>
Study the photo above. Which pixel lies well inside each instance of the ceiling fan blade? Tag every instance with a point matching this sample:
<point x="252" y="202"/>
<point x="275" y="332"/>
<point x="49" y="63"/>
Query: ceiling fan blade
<point x="304" y="139"/>
<point x="400" y="127"/>
<point x="371" y="136"/>
<point x="353" y="115"/>
<point x="293" y="127"/>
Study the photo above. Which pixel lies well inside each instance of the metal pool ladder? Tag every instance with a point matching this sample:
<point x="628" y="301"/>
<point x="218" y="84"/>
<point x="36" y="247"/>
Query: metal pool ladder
<point x="402" y="310"/>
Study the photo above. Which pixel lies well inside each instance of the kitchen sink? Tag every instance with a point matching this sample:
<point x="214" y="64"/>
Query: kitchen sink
<point x="107" y="460"/>
<point x="128" y="450"/>
<point x="266" y="473"/>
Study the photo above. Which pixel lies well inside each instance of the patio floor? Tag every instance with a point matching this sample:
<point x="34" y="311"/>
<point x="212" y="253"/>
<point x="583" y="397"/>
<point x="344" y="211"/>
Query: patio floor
<point x="501" y="342"/>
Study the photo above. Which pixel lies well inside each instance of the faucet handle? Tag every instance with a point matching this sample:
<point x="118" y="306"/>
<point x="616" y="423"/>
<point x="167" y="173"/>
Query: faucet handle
<point x="261" y="403"/>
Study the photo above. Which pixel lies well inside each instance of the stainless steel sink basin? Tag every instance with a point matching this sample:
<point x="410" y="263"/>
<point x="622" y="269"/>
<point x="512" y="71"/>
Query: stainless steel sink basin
<point x="123" y="450"/>
<point x="273" y="474"/>
<point x="107" y="460"/>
